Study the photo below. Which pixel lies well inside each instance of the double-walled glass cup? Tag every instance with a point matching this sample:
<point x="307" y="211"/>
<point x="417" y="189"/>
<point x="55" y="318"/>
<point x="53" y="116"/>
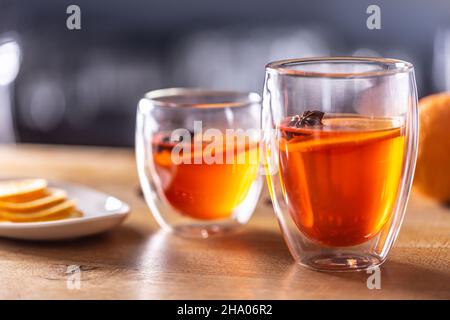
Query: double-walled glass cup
<point x="339" y="143"/>
<point x="198" y="158"/>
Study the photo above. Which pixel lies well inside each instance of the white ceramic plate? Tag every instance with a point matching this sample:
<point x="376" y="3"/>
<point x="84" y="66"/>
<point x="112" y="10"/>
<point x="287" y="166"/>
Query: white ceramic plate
<point x="101" y="213"/>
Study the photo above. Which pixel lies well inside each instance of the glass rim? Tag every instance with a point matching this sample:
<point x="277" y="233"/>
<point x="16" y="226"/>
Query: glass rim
<point x="231" y="98"/>
<point x="284" y="67"/>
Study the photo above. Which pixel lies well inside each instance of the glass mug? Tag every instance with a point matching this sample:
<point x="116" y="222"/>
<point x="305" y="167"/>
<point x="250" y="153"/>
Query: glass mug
<point x="339" y="147"/>
<point x="198" y="159"/>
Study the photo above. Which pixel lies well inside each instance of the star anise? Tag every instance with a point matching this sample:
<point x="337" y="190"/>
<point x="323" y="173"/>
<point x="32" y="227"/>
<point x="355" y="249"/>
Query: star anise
<point x="307" y="118"/>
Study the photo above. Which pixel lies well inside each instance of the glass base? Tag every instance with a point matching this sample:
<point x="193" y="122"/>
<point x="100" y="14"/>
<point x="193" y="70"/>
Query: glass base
<point x="343" y="262"/>
<point x="204" y="231"/>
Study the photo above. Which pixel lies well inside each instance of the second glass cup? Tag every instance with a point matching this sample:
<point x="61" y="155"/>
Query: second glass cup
<point x="198" y="158"/>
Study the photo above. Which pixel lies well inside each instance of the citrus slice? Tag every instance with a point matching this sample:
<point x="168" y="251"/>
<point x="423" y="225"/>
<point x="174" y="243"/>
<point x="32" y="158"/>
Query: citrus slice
<point x="324" y="140"/>
<point x="53" y="197"/>
<point x="22" y="190"/>
<point x="75" y="214"/>
<point x="59" y="211"/>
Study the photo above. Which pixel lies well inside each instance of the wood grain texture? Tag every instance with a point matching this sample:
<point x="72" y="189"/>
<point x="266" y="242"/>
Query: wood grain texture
<point x="138" y="261"/>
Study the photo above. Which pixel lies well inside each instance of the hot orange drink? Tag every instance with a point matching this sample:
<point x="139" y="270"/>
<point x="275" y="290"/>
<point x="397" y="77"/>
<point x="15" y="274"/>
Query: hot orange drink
<point x="200" y="189"/>
<point x="340" y="178"/>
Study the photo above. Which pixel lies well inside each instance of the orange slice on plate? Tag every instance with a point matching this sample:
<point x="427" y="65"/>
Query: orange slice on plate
<point x="22" y="190"/>
<point x="75" y="214"/>
<point x="53" y="197"/>
<point x="59" y="211"/>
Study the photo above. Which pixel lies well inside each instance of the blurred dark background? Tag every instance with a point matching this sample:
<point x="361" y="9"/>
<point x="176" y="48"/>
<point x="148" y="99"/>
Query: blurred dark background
<point x="82" y="87"/>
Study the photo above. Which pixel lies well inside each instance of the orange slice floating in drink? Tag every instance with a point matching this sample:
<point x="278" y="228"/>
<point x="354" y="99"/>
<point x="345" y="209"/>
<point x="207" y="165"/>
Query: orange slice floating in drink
<point x="339" y="132"/>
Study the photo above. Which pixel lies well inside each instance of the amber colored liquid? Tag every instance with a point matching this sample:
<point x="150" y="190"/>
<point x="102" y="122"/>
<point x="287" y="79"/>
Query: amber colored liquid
<point x="341" y="179"/>
<point x="206" y="191"/>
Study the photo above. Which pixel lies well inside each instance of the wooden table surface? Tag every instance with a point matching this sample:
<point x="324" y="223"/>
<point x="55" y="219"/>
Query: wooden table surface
<point x="138" y="261"/>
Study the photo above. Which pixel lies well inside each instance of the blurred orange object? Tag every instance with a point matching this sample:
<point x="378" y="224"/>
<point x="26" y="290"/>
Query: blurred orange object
<point x="432" y="176"/>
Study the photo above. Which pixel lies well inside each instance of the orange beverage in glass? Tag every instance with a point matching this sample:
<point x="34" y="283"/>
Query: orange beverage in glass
<point x="200" y="189"/>
<point x="340" y="179"/>
<point x="197" y="154"/>
<point x="340" y="144"/>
